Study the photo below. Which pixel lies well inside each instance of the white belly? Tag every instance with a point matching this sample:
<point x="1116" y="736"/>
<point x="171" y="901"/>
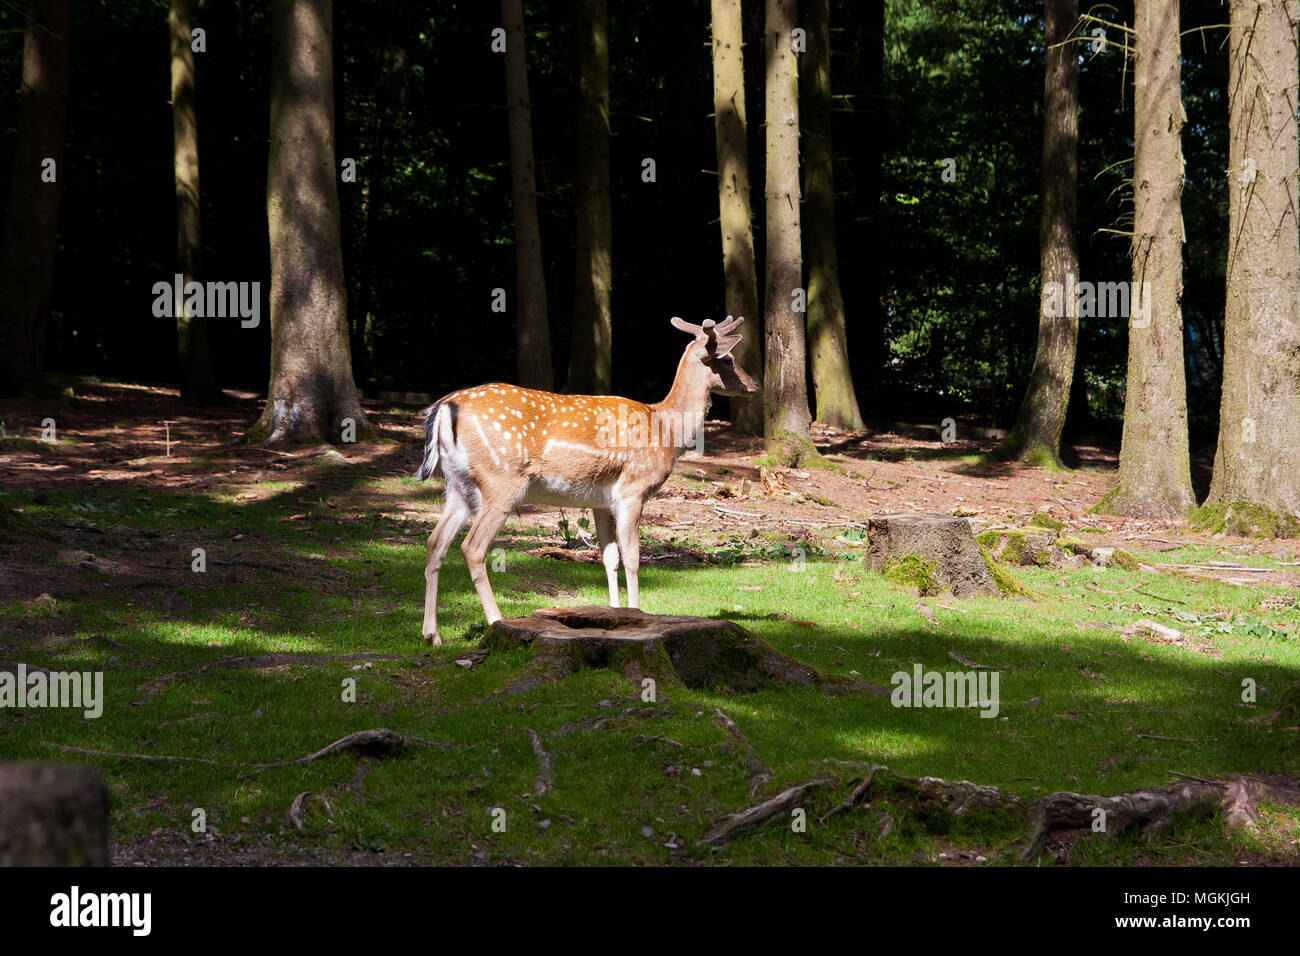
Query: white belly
<point x="558" y="492"/>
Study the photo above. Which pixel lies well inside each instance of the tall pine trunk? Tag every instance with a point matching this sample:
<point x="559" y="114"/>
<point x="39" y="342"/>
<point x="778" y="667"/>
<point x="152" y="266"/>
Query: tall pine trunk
<point x="738" y="266"/>
<point x="32" y="221"/>
<point x="532" y="335"/>
<point x="197" y="383"/>
<point x="1258" y="459"/>
<point x="837" y="402"/>
<point x="591" y="349"/>
<point x="1036" y="435"/>
<point x="786" y="419"/>
<point x="1155" y="477"/>
<point x="311" y="392"/>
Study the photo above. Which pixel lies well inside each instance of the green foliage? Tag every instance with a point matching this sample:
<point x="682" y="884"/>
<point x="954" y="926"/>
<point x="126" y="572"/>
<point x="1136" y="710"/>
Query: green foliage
<point x="569" y="531"/>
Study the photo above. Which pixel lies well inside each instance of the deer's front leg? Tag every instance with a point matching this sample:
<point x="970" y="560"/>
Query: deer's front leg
<point x="454" y="513"/>
<point x="608" y="540"/>
<point x="629" y="542"/>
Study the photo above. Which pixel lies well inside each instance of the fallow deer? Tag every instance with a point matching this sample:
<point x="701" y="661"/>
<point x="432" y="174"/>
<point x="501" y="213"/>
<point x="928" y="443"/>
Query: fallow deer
<point x="499" y="445"/>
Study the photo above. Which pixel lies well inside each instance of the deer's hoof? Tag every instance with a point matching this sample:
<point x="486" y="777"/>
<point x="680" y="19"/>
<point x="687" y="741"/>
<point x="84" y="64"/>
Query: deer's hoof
<point x="433" y="640"/>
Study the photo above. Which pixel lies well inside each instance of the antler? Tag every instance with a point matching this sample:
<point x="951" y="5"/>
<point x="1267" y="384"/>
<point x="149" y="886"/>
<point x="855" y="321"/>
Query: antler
<point x="717" y="335"/>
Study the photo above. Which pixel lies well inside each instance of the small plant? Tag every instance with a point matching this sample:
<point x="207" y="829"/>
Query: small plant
<point x="574" y="534"/>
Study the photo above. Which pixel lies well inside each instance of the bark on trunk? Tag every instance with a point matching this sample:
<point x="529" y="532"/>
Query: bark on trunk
<point x="837" y="401"/>
<point x="786" y="419"/>
<point x="197" y="383"/>
<point x="52" y="814"/>
<point x="1155" y="478"/>
<point x="31" y="225"/>
<point x="591" y="348"/>
<point x="738" y="266"/>
<point x="532" y="335"/>
<point x="1258" y="459"/>
<point x="311" y="391"/>
<point x="1036" y="435"/>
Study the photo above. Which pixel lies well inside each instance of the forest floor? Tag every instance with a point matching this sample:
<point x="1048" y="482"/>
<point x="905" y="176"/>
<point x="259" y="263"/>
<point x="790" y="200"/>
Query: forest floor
<point x="314" y="575"/>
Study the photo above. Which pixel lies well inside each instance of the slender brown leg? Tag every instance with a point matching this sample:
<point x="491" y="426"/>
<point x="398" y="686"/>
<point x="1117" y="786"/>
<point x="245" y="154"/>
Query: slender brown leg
<point x="492" y="515"/>
<point x="454" y="514"/>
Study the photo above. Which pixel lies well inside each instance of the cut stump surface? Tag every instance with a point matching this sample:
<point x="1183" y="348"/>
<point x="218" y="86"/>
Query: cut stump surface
<point x="697" y="652"/>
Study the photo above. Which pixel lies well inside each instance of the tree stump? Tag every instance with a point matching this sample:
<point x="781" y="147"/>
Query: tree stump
<point x="52" y="814"/>
<point x="932" y="553"/>
<point x="697" y="652"/>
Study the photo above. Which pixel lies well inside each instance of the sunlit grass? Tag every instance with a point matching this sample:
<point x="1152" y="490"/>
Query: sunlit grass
<point x="1084" y="704"/>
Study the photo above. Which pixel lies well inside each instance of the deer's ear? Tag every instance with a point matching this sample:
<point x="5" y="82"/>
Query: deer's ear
<point x="683" y="325"/>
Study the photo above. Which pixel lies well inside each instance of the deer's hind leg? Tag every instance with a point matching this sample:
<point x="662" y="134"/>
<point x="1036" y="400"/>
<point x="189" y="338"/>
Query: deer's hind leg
<point x="454" y="514"/>
<point x="492" y="515"/>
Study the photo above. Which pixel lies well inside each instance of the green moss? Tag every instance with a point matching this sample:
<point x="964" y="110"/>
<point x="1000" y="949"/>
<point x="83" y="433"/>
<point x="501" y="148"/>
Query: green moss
<point x="1040" y="456"/>
<point x="1003" y="578"/>
<point x="913" y="571"/>
<point x="1013" y="546"/>
<point x="1070" y="545"/>
<point x="1047" y="521"/>
<point x="788" y="450"/>
<point x="1123" y="559"/>
<point x="1244" y="518"/>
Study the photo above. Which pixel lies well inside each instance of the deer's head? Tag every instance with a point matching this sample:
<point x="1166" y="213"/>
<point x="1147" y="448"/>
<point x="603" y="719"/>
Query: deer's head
<point x="710" y="358"/>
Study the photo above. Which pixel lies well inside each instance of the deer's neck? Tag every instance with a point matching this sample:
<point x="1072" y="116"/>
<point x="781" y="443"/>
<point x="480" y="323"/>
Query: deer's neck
<point x="688" y="400"/>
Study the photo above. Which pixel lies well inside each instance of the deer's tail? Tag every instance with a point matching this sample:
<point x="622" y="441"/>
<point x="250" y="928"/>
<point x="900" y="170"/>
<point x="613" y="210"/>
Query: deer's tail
<point x="439" y="432"/>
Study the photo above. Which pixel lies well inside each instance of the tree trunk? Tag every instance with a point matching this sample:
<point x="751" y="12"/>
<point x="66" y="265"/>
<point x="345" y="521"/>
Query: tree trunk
<point x="1155" y="477"/>
<point x="311" y="394"/>
<point x="31" y="226"/>
<point x="739" y="270"/>
<point x="1036" y="435"/>
<point x="786" y="418"/>
<point x="197" y="383"/>
<point x="871" y="351"/>
<point x="532" y="335"/>
<point x="1258" y="459"/>
<point x="837" y="402"/>
<point x="591" y="349"/>
<point x="52" y="814"/>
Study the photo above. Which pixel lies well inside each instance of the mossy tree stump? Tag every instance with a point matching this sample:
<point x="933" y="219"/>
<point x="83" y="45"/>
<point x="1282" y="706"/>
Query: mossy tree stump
<point x="52" y="814"/>
<point x="932" y="553"/>
<point x="697" y="652"/>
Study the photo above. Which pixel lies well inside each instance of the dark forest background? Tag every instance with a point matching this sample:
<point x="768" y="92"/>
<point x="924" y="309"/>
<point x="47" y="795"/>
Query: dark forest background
<point x="940" y="279"/>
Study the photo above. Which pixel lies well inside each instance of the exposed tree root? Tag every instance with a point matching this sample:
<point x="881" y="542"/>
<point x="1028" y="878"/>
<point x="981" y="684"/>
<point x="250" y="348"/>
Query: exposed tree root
<point x="1152" y="809"/>
<point x="737" y="824"/>
<point x="759" y="773"/>
<point x="298" y="809"/>
<point x="367" y="743"/>
<point x="545" y="781"/>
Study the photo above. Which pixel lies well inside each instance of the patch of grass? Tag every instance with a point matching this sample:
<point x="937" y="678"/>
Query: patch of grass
<point x="1076" y="693"/>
